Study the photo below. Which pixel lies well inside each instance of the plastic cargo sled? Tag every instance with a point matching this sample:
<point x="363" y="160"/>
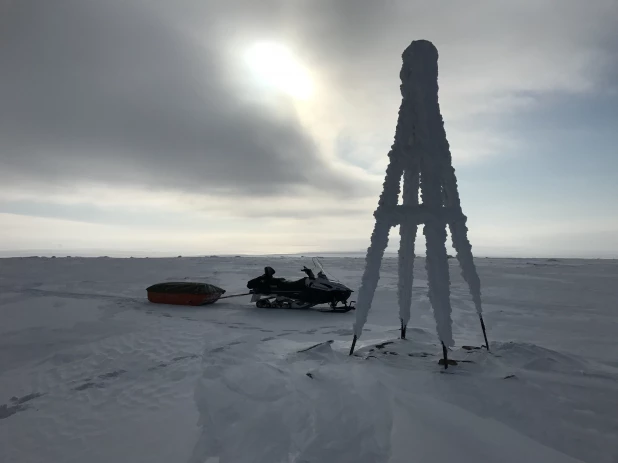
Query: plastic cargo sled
<point x="184" y="293"/>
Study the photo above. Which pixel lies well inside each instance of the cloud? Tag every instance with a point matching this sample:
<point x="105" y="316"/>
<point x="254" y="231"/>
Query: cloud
<point x="73" y="237"/>
<point x="495" y="58"/>
<point x="115" y="93"/>
<point x="149" y="94"/>
<point x="117" y="102"/>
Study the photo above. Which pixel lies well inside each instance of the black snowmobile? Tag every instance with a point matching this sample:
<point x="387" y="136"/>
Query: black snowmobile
<point x="271" y="292"/>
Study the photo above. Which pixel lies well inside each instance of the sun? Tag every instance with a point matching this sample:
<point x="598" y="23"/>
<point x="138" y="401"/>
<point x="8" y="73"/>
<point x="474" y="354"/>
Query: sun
<point x="274" y="65"/>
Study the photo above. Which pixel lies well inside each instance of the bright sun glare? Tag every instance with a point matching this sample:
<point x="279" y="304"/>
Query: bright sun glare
<point x="275" y="65"/>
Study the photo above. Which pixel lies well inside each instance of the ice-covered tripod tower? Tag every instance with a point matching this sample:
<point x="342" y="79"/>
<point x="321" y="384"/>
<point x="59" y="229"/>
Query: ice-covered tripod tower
<point x="421" y="155"/>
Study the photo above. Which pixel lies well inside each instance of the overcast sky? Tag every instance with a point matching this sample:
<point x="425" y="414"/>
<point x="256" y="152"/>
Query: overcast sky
<point x="204" y="127"/>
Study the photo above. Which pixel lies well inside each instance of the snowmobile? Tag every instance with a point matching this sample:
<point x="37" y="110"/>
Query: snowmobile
<point x="271" y="292"/>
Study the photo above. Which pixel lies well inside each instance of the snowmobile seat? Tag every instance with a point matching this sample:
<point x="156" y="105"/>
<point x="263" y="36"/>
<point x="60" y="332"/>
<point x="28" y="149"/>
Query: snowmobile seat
<point x="289" y="285"/>
<point x="266" y="283"/>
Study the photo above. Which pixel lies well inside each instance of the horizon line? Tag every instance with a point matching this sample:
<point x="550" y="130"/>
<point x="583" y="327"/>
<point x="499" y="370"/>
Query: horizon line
<point x="111" y="254"/>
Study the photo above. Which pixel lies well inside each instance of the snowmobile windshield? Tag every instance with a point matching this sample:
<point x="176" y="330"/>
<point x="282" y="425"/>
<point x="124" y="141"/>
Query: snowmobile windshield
<point x="318" y="264"/>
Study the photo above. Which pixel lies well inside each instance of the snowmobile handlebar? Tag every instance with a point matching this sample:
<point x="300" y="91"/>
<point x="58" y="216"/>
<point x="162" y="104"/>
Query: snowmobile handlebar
<point x="309" y="272"/>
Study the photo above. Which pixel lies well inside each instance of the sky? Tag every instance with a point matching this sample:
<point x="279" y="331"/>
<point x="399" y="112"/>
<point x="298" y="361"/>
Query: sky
<point x="205" y="127"/>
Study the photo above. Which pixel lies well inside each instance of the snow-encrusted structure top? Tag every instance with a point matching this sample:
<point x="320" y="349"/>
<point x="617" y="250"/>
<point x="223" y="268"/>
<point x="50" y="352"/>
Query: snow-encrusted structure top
<point x="421" y="154"/>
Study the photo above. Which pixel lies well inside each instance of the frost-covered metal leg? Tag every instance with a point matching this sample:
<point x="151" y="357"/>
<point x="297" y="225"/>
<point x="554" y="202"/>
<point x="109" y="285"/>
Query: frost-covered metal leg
<point x="436" y="262"/>
<point x="403" y="330"/>
<point x="439" y="280"/>
<point x="353" y="345"/>
<point x="459" y="233"/>
<point x="407" y="230"/>
<point x="379" y="241"/>
<point x="445" y="356"/>
<point x="406" y="269"/>
<point x="484" y="332"/>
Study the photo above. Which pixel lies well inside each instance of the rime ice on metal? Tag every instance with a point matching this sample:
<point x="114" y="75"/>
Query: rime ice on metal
<point x="421" y="155"/>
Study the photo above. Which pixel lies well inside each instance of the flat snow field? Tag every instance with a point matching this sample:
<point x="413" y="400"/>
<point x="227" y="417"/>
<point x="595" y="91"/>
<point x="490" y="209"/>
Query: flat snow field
<point x="90" y="371"/>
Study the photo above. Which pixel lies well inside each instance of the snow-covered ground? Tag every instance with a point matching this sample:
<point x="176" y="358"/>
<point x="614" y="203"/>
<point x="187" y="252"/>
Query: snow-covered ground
<point x="90" y="371"/>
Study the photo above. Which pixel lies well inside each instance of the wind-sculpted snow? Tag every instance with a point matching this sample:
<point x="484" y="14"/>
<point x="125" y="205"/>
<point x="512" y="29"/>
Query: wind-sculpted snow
<point x="91" y="371"/>
<point x="303" y="407"/>
<point x="283" y="401"/>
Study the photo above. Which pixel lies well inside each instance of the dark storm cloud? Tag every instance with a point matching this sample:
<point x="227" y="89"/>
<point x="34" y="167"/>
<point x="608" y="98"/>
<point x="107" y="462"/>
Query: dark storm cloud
<point x="116" y="91"/>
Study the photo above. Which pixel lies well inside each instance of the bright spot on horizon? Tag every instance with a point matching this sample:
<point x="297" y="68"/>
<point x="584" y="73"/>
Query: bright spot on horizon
<point x="275" y="65"/>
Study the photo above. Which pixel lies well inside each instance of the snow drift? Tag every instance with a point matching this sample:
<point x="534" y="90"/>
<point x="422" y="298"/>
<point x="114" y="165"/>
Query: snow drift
<point x="91" y="371"/>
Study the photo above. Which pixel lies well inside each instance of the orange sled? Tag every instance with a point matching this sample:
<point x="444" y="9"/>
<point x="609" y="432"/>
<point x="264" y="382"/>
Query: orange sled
<point x="183" y="293"/>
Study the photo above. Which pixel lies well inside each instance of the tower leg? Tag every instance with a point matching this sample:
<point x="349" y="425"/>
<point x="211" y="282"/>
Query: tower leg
<point x="407" y="230"/>
<point x="484" y="332"/>
<point x="379" y="241"/>
<point x="459" y="233"/>
<point x="445" y="356"/>
<point x="439" y="280"/>
<point x="353" y="345"/>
